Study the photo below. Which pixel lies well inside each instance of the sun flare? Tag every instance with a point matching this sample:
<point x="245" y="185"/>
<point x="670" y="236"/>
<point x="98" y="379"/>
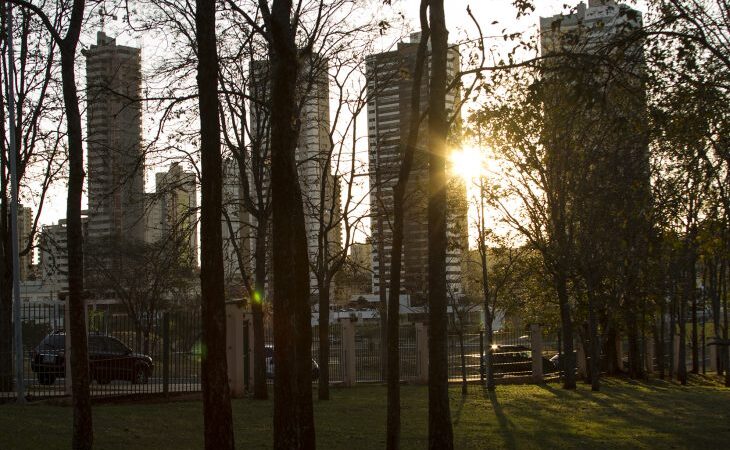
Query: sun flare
<point x="468" y="163"/>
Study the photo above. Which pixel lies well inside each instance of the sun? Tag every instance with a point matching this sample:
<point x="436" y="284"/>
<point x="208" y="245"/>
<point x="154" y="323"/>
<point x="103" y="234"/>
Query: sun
<point x="467" y="163"/>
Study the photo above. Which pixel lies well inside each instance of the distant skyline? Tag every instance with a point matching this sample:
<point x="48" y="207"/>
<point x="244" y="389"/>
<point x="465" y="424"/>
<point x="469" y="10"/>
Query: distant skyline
<point x="458" y="22"/>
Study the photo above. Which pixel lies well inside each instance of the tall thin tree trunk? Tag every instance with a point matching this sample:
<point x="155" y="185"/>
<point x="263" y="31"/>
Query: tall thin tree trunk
<point x="682" y="357"/>
<point x="393" y="424"/>
<point x="324" y="339"/>
<point x="489" y="356"/>
<point x="293" y="414"/>
<point x="440" y="432"/>
<point x="695" y="337"/>
<point x="6" y="261"/>
<point x="672" y="329"/>
<point x="568" y="357"/>
<point x="217" y="415"/>
<point x="260" y="391"/>
<point x="83" y="434"/>
<point x="659" y="340"/>
<point x="462" y="355"/>
<point x="595" y="348"/>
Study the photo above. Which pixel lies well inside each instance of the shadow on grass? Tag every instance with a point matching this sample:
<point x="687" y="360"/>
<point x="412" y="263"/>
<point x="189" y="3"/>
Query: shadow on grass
<point x="506" y="427"/>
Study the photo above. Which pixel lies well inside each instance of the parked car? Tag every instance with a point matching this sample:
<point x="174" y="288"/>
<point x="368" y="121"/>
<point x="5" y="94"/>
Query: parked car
<point x="269" y="355"/>
<point x="507" y="359"/>
<point x="109" y="359"/>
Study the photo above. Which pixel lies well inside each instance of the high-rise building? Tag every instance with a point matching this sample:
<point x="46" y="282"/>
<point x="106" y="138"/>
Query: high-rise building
<point x="312" y="152"/>
<point x="590" y="27"/>
<point x="53" y="253"/>
<point x="390" y="81"/>
<point x="171" y="212"/>
<point x="115" y="155"/>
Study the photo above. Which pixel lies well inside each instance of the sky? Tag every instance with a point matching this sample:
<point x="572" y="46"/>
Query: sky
<point x="494" y="16"/>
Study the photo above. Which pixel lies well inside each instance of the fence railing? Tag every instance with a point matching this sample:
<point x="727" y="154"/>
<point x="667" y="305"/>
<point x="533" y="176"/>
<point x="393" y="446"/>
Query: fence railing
<point x="158" y="355"/>
<point x="162" y="354"/>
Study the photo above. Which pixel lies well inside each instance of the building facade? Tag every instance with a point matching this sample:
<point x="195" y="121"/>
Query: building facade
<point x="171" y="212"/>
<point x="313" y="156"/>
<point x="115" y="160"/>
<point x="390" y="81"/>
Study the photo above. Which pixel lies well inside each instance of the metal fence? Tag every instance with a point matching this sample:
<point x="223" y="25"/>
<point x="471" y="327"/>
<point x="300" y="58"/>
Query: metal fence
<point x="155" y="356"/>
<point x="163" y="354"/>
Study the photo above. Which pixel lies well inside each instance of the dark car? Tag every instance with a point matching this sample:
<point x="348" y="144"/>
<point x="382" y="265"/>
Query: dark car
<point x="109" y="359"/>
<point x="269" y="355"/>
<point x="516" y="359"/>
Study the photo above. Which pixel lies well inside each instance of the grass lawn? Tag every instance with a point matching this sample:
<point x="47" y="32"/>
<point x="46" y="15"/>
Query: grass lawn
<point x="655" y="415"/>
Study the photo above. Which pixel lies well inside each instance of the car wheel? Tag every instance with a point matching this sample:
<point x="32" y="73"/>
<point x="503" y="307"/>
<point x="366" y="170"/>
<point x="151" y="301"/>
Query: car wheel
<point x="46" y="378"/>
<point x="140" y="376"/>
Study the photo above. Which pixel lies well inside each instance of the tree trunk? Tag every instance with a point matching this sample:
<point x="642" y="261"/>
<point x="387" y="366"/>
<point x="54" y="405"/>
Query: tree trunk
<point x="568" y="357"/>
<point x="695" y="337"/>
<point x="672" y="330"/>
<point x="6" y="260"/>
<point x="293" y="415"/>
<point x="462" y="355"/>
<point x="682" y="357"/>
<point x="218" y="421"/>
<point x="260" y="391"/>
<point x="632" y="333"/>
<point x="491" y="385"/>
<point x="722" y="289"/>
<point x="659" y="341"/>
<point x="595" y="348"/>
<point x="83" y="434"/>
<point x="440" y="432"/>
<point x="393" y="425"/>
<point x="324" y="341"/>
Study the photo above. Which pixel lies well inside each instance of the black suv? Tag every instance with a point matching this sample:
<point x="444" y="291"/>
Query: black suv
<point x="109" y="359"/>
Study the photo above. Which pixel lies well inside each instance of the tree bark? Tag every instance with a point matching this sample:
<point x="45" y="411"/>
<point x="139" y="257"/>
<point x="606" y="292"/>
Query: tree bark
<point x="293" y="414"/>
<point x="566" y="324"/>
<point x="393" y="424"/>
<point x="440" y="432"/>
<point x="83" y="433"/>
<point x="324" y="340"/>
<point x="260" y="391"/>
<point x="595" y="349"/>
<point x="217" y="415"/>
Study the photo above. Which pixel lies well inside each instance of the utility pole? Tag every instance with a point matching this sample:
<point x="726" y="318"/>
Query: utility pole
<point x="18" y="335"/>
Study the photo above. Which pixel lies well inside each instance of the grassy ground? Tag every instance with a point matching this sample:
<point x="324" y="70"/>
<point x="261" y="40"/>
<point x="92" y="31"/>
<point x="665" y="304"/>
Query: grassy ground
<point x="656" y="415"/>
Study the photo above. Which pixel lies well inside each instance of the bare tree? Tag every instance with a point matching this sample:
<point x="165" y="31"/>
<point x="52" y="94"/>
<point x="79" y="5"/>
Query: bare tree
<point x="38" y="149"/>
<point x="216" y="395"/>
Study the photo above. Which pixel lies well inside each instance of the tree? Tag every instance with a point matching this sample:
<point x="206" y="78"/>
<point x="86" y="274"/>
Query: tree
<point x="83" y="435"/>
<point x="440" y="432"/>
<point x="216" y="395"/>
<point x="399" y="192"/>
<point x="143" y="277"/>
<point x="38" y="149"/>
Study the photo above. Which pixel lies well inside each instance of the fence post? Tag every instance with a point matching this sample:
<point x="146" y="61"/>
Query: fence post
<point x="713" y="357"/>
<point x="246" y="355"/>
<point x="676" y="355"/>
<point x="234" y="347"/>
<point x="536" y="351"/>
<point x="422" y="352"/>
<point x="649" y="357"/>
<point x="349" y="369"/>
<point x="166" y="353"/>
